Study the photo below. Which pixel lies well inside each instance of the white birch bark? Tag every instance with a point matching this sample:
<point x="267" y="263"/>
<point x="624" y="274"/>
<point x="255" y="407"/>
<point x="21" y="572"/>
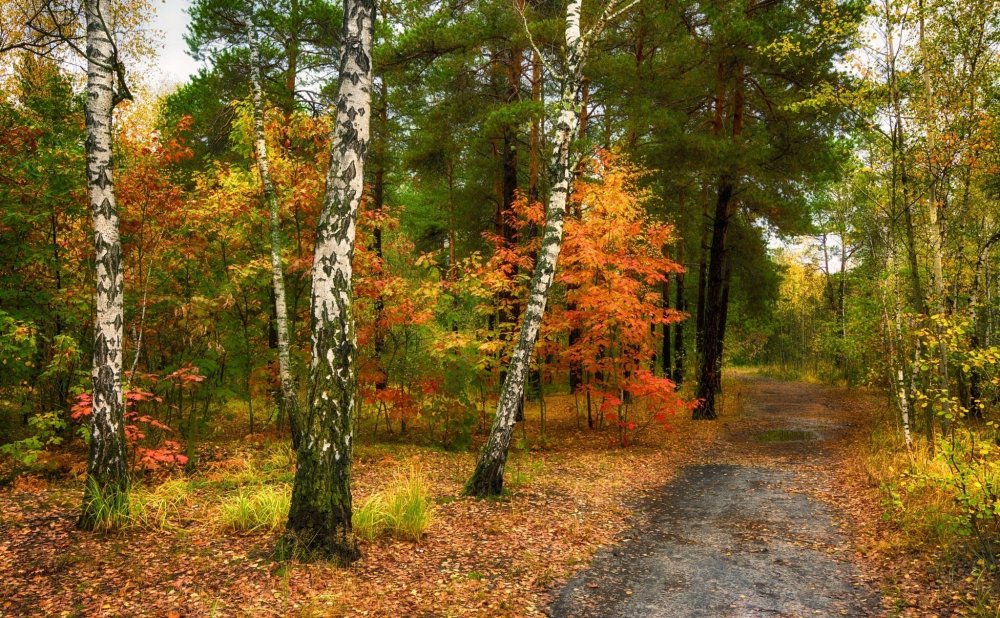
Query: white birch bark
<point x="289" y="394"/>
<point x="107" y="471"/>
<point x="320" y="515"/>
<point x="487" y="480"/>
<point x="937" y="229"/>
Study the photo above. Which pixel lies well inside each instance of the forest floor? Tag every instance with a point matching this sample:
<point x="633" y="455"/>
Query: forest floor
<point x="766" y="512"/>
<point x="568" y="494"/>
<point x="742" y="531"/>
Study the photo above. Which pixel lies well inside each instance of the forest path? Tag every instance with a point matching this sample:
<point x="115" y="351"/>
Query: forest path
<point x="740" y="533"/>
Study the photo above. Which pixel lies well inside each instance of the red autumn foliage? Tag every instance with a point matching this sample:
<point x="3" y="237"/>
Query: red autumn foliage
<point x="139" y="426"/>
<point x="610" y="270"/>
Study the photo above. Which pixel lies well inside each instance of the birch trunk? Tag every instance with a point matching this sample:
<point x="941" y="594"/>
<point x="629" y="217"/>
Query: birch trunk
<point x="106" y="494"/>
<point x="319" y="521"/>
<point x="937" y="234"/>
<point x="487" y="480"/>
<point x="289" y="392"/>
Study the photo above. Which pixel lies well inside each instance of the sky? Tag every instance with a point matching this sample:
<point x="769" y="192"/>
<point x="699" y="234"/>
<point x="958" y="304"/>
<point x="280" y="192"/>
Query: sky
<point x="173" y="66"/>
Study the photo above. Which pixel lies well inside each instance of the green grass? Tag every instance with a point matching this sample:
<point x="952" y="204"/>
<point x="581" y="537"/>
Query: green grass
<point x="403" y="510"/>
<point x="279" y="459"/>
<point x="255" y="509"/>
<point x="153" y="509"/>
<point x="371" y="520"/>
<point x="105" y="510"/>
<point x="523" y="473"/>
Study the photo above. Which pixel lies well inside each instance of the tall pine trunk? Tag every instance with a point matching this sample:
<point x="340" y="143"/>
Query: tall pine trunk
<point x="289" y="392"/>
<point x="534" y="136"/>
<point x="711" y="361"/>
<point x="574" y="210"/>
<point x="666" y="352"/>
<point x="487" y="480"/>
<point x="319" y="521"/>
<point x="106" y="494"/>
<point x="378" y="209"/>
<point x="717" y="292"/>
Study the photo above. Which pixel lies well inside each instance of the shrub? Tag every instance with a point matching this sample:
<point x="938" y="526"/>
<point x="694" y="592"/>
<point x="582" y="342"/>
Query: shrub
<point x="46" y="429"/>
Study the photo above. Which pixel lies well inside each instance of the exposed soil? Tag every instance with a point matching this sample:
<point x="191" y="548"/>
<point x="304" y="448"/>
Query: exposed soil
<point x="745" y="531"/>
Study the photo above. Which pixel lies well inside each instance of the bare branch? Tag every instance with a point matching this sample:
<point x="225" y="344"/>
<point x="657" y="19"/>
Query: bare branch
<point x="612" y="11"/>
<point x="524" y="18"/>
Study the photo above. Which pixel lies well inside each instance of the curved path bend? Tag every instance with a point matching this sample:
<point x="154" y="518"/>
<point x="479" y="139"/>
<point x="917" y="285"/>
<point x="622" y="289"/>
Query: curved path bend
<point x="740" y="534"/>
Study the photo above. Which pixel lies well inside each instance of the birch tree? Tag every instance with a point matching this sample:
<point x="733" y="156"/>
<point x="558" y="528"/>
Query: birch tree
<point x="319" y="521"/>
<point x="289" y="392"/>
<point x="487" y="480"/>
<point x="106" y="494"/>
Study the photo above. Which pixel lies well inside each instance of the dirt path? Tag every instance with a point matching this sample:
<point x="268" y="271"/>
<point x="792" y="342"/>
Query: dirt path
<point x="740" y="533"/>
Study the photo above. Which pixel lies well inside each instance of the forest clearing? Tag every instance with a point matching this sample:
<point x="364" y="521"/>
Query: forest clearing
<point x="500" y="308"/>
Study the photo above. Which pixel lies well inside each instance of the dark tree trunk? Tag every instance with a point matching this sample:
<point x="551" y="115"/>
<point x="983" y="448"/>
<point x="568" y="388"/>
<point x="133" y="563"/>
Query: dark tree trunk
<point x="666" y="356"/>
<point x="378" y="205"/>
<point x="717" y="292"/>
<point x="510" y="310"/>
<point x="723" y="317"/>
<point x="573" y="210"/>
<point x="535" y="136"/>
<point x="679" y="351"/>
<point x="718" y="121"/>
<point x="711" y="361"/>
<point x="680" y="304"/>
<point x="699" y="329"/>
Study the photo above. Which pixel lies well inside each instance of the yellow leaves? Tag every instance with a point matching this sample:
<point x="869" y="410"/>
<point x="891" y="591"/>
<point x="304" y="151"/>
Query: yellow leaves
<point x="782" y="48"/>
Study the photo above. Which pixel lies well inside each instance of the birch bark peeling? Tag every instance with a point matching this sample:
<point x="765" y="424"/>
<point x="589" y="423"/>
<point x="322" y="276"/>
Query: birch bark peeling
<point x="106" y="492"/>
<point x="487" y="480"/>
<point x="319" y="520"/>
<point x="289" y="392"/>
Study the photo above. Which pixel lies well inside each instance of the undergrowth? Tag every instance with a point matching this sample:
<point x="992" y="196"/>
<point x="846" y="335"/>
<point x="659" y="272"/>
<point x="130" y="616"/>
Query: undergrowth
<point x="941" y="505"/>
<point x="256" y="508"/>
<point x="402" y="510"/>
<point x="156" y="508"/>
